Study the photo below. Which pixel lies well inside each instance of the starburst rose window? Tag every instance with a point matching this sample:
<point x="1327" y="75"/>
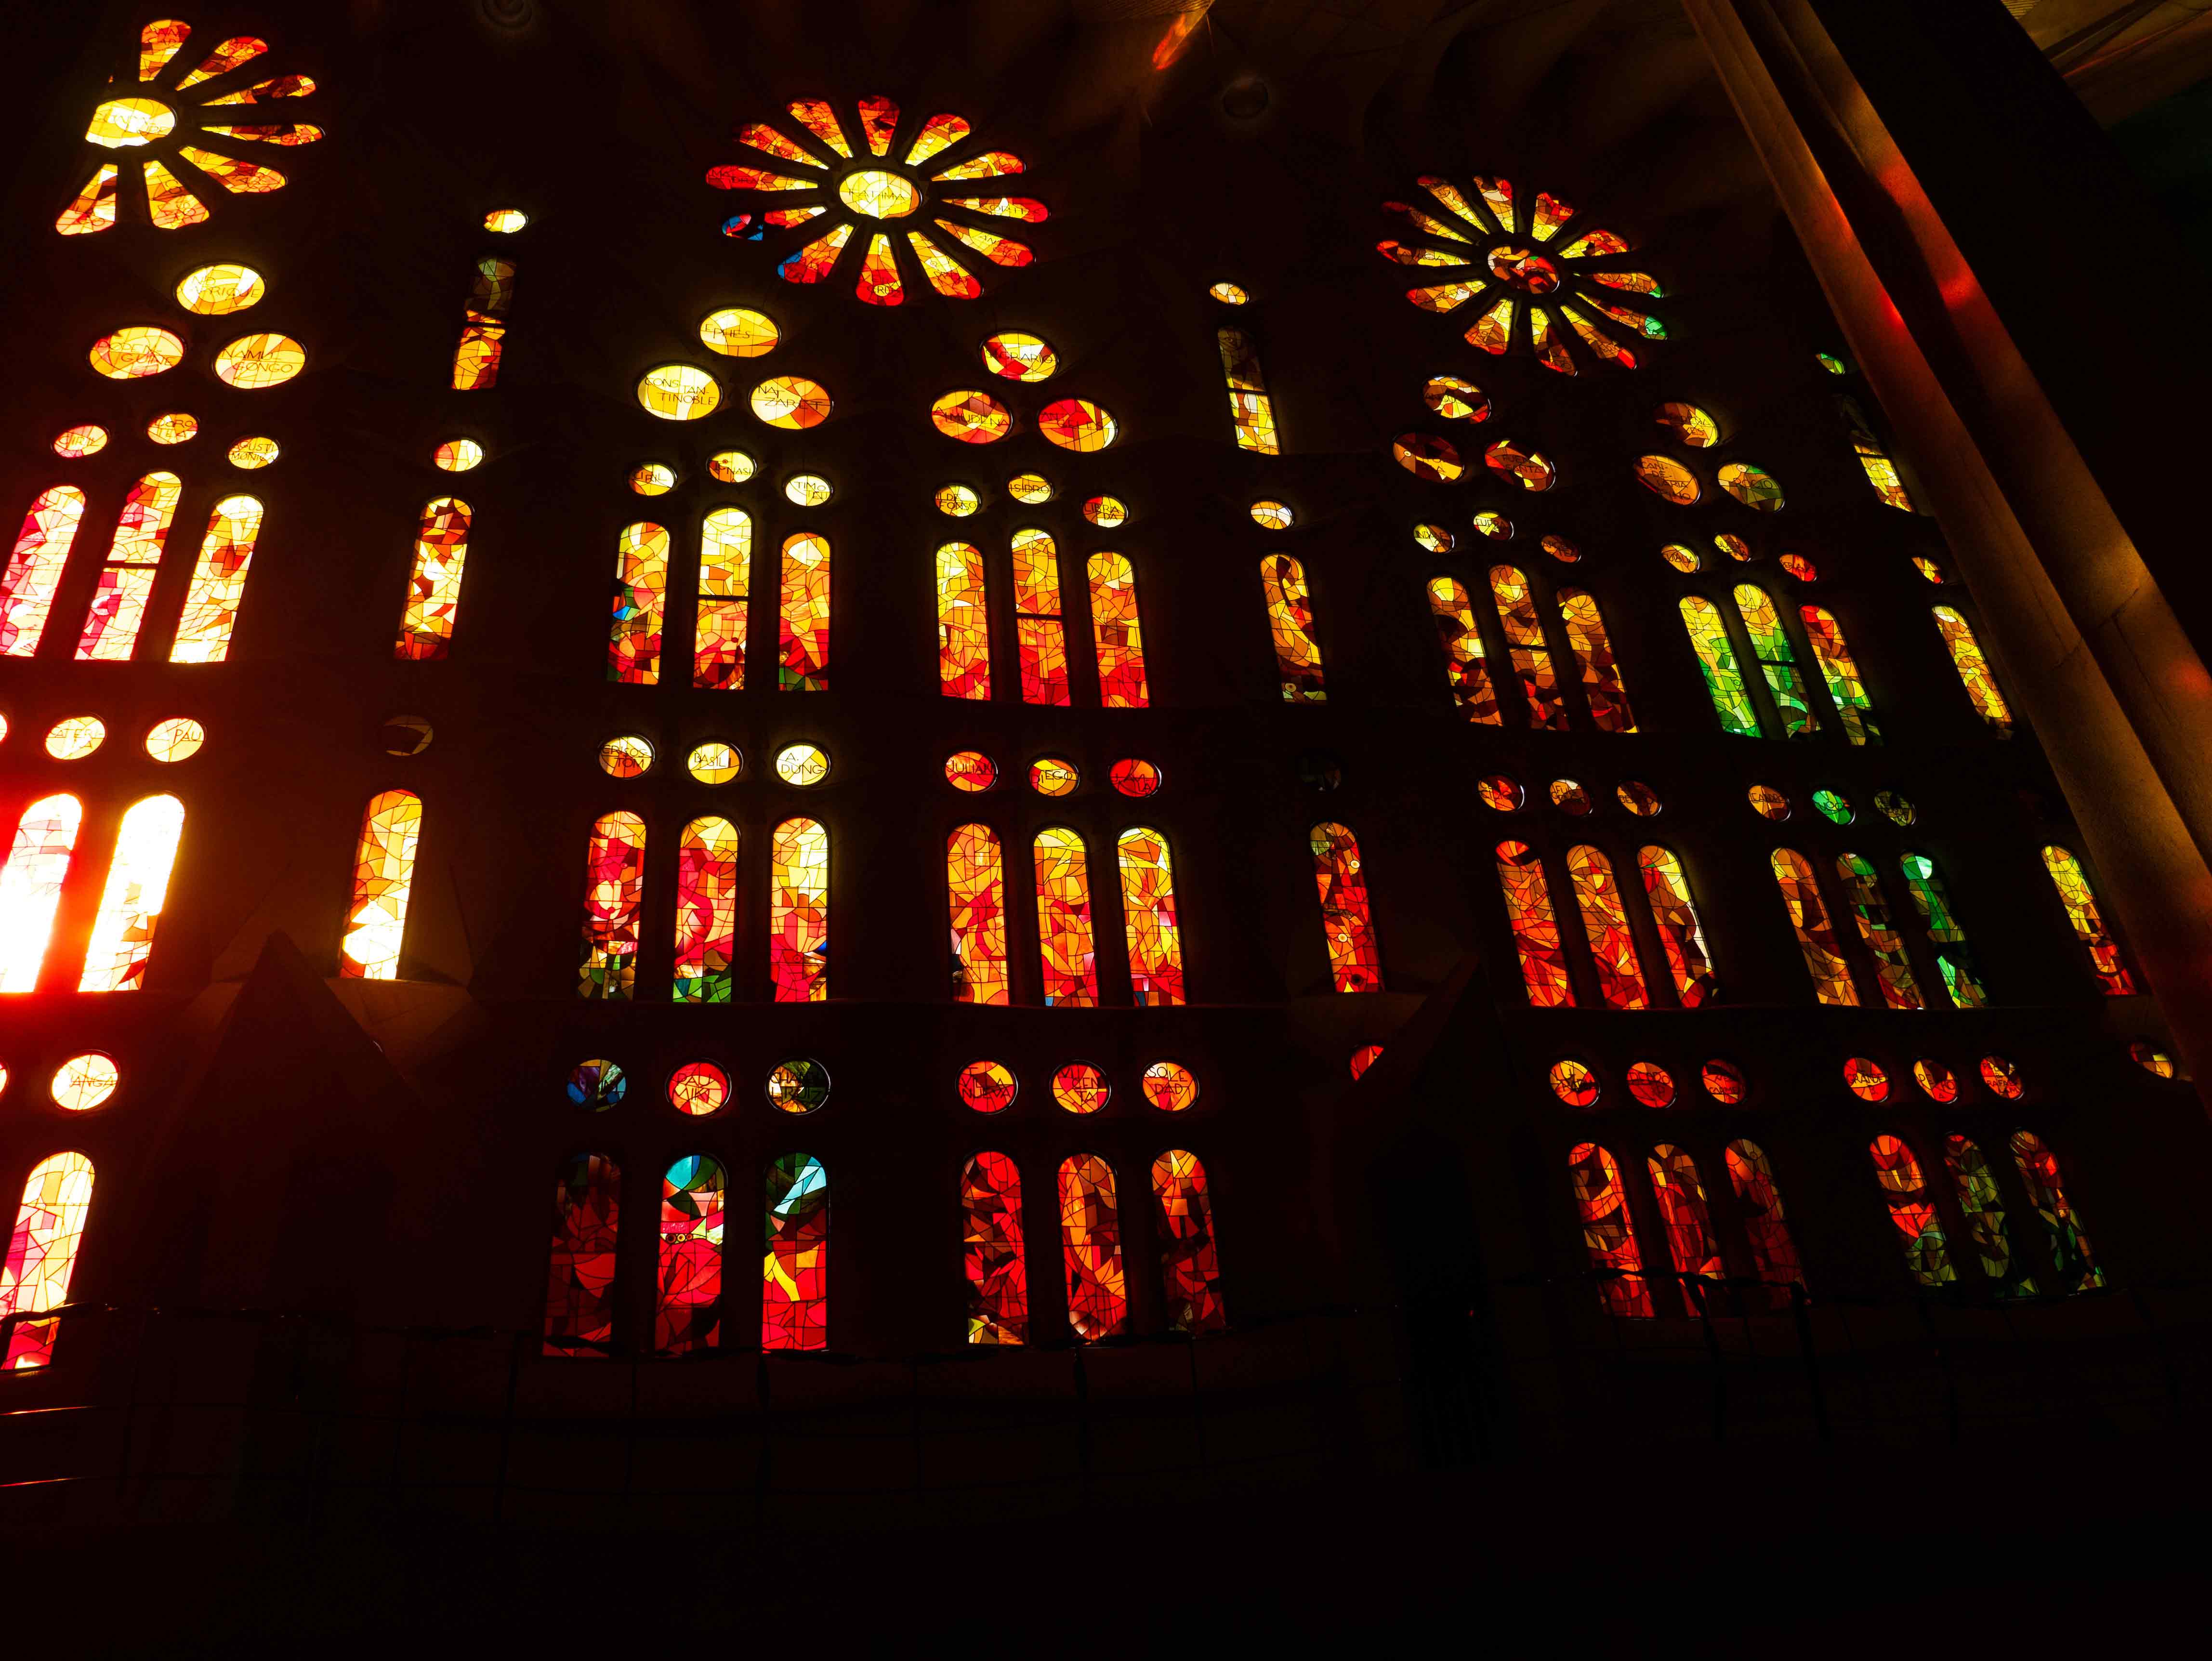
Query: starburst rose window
<point x="898" y="208"/>
<point x="1533" y="287"/>
<point x="170" y="122"/>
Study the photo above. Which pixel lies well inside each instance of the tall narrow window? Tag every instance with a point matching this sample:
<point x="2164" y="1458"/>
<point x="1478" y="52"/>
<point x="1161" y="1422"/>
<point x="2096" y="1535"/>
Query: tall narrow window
<point x="1681" y="1196"/>
<point x="1340" y="879"/>
<point x="1091" y="1248"/>
<point x="31" y="887"/>
<point x="1816" y="936"/>
<point x="991" y="1242"/>
<point x="795" y="1266"/>
<point x="1068" y="965"/>
<point x="1593" y="648"/>
<point x="1770" y="644"/>
<point x="137" y="888"/>
<point x="34" y="568"/>
<point x="126" y="581"/>
<point x="1961" y="976"/>
<point x="382" y="881"/>
<point x="706" y="910"/>
<point x="1535" y="926"/>
<point x="1605" y="924"/>
<point x="1038" y="629"/>
<point x="1249" y="407"/>
<point x="2076" y="1265"/>
<point x="1893" y="970"/>
<point x="1914" y="1210"/>
<point x="1464" y="667"/>
<point x="613" y="888"/>
<point x="2081" y="902"/>
<point x="803" y="625"/>
<point x="1773" y="1253"/>
<point x="1974" y="669"/>
<point x="218" y="582"/>
<point x="475" y="358"/>
<point x="1524" y="641"/>
<point x="640" y="597"/>
<point x="798" y="912"/>
<point x="1674" y="915"/>
<point x="1840" y="672"/>
<point x="1717" y="662"/>
<point x="1190" y="1267"/>
<point x="963" y="623"/>
<point x="1148" y="916"/>
<point x="434" y="589"/>
<point x="1117" y="633"/>
<point x="726" y="560"/>
<point x="693" y="1199"/>
<point x="1983" y="1209"/>
<point x="976" y="893"/>
<point x="1608" y="1233"/>
<point x="579" y="1278"/>
<point x="42" y="1254"/>
<point x="1290" y="615"/>
<point x="1881" y="471"/>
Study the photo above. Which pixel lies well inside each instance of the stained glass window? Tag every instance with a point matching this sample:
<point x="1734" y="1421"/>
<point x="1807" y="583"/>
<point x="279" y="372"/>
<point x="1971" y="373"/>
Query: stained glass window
<point x="1717" y="661"/>
<point x="1816" y="936"/>
<point x="126" y="580"/>
<point x="1068" y="964"/>
<point x="1770" y="645"/>
<point x="2081" y="902"/>
<point x="963" y="628"/>
<point x="1983" y="1207"/>
<point x="1840" y="672"/>
<point x="31" y="887"/>
<point x="1524" y="640"/>
<point x="580" y="1282"/>
<point x="628" y="756"/>
<point x="641" y="595"/>
<point x="613" y="888"/>
<point x="975" y="894"/>
<point x="34" y="568"/>
<point x="1753" y="486"/>
<point x="1893" y="970"/>
<point x="1133" y="777"/>
<point x="1912" y="1209"/>
<point x="483" y="331"/>
<point x="970" y="770"/>
<point x="725" y="552"/>
<point x="1880" y="471"/>
<point x="1038" y="629"/>
<point x="1593" y="648"/>
<point x="1681" y="1196"/>
<point x="795" y="1263"/>
<point x="130" y="904"/>
<point x="1535" y="926"/>
<point x="1953" y="956"/>
<point x="1117" y="633"/>
<point x="1668" y="479"/>
<point x="76" y="737"/>
<point x="1605" y="924"/>
<point x="988" y="1086"/>
<point x="1290" y="615"/>
<point x="699" y="1089"/>
<point x="85" y="1082"/>
<point x="1773" y="1253"/>
<point x="1250" y="406"/>
<point x="1091" y="1248"/>
<point x="2075" y="1267"/>
<point x="1340" y="879"/>
<point x="803" y="628"/>
<point x="42" y="1254"/>
<point x="991" y="1239"/>
<point x="1189" y="1264"/>
<point x="1465" y="669"/>
<point x="1148" y="914"/>
<point x="434" y="588"/>
<point x="383" y="880"/>
<point x="688" y="1316"/>
<point x="1865" y="1080"/>
<point x="1974" y="673"/>
<point x="798" y="912"/>
<point x="1608" y="1233"/>
<point x="218" y="584"/>
<point x="1651" y="1083"/>
<point x="706" y="910"/>
<point x="177" y="739"/>
<point x="1573" y="1083"/>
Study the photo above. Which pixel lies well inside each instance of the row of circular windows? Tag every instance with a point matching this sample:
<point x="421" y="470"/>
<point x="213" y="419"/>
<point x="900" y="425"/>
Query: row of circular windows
<point x="631" y="755"/>
<point x="703" y="1088"/>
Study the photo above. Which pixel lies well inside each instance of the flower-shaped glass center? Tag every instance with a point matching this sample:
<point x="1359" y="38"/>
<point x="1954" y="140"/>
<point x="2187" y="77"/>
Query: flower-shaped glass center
<point x="879" y="195"/>
<point x="121" y="123"/>
<point x="1530" y="272"/>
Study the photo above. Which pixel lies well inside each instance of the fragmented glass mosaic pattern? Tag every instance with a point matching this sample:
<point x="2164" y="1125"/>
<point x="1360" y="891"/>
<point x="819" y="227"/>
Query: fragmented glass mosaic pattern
<point x="1608" y="1233"/>
<point x="1131" y="777"/>
<point x="1753" y="486"/>
<point x="1936" y="1081"/>
<point x="1724" y="1081"/>
<point x="988" y="1086"/>
<point x="2080" y="900"/>
<point x="254" y="362"/>
<point x="963" y="626"/>
<point x="126" y="580"/>
<point x="130" y="904"/>
<point x="1717" y="661"/>
<point x="1893" y="970"/>
<point x="974" y="885"/>
<point x="641" y="593"/>
<point x="383" y="879"/>
<point x="1675" y="915"/>
<point x="798" y="912"/>
<point x="803" y="624"/>
<point x="1953" y="956"/>
<point x="1974" y="669"/>
<point x="1651" y="1083"/>
<point x="1535" y="926"/>
<point x="1290" y="615"/>
<point x="1773" y="1253"/>
<point x="706" y="910"/>
<point x="598" y="1085"/>
<point x="218" y="586"/>
<point x="1687" y="1224"/>
<point x="678" y="391"/>
<point x="1840" y="672"/>
<point x="795" y="1263"/>
<point x="688" y="1315"/>
<point x="1865" y="1080"/>
<point x="1530" y="656"/>
<point x="1983" y="1207"/>
<point x="797" y="1086"/>
<point x="1148" y="916"/>
<point x="991" y="1242"/>
<point x="1912" y="1209"/>
<point x="1038" y="630"/>
<point x="1605" y="925"/>
<point x="613" y="888"/>
<point x="1587" y="639"/>
<point x="1770" y="645"/>
<point x="1574" y="1083"/>
<point x="726" y="548"/>
<point x="1668" y="479"/>
<point x="1081" y="1087"/>
<point x="484" y="330"/>
<point x="31" y="886"/>
<point x="580" y="1280"/>
<point x="1880" y="471"/>
<point x="1090" y="1249"/>
<point x="1116" y="633"/>
<point x="84" y="1082"/>
<point x="1190" y="1269"/>
<point x="1249" y="407"/>
<point x="177" y="739"/>
<point x="1465" y="669"/>
<point x="34" y="568"/>
<point x="42" y="1254"/>
<point x="1171" y="1086"/>
<point x="434" y="588"/>
<point x="1816" y="936"/>
<point x="2075" y="1267"/>
<point x="970" y="770"/>
<point x="76" y="737"/>
<point x="1067" y="966"/>
<point x="1340" y="879"/>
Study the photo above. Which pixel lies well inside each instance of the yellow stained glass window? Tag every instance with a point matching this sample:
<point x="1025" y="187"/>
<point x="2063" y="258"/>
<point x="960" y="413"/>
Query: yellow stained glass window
<point x="730" y="467"/>
<point x="383" y="882"/>
<point x="137" y="352"/>
<point x="792" y="402"/>
<point x="676" y="392"/>
<point x="506" y="221"/>
<point x="130" y="904"/>
<point x="1069" y="970"/>
<point x="1816" y="936"/>
<point x="1117" y="633"/>
<point x="217" y="290"/>
<point x="254" y="362"/>
<point x="1668" y="479"/>
<point x="112" y="621"/>
<point x="963" y="631"/>
<point x="640" y="593"/>
<point x="802" y="764"/>
<point x="654" y="478"/>
<point x="626" y="757"/>
<point x="175" y="428"/>
<point x="1020" y="357"/>
<point x="1249" y="407"/>
<point x="1687" y="425"/>
<point x="726" y="549"/>
<point x="35" y="566"/>
<point x="1076" y="423"/>
<point x="976" y="893"/>
<point x="177" y="738"/>
<point x="1465" y="668"/>
<point x="799" y="910"/>
<point x="81" y="441"/>
<point x="957" y="501"/>
<point x="803" y="615"/>
<point x="1974" y="673"/>
<point x="808" y="489"/>
<point x="458" y="455"/>
<point x="434" y="588"/>
<point x="1274" y="515"/>
<point x="218" y="587"/>
<point x="2080" y="900"/>
<point x="736" y="331"/>
<point x="254" y="454"/>
<point x="713" y="763"/>
<point x="1148" y="915"/>
<point x="972" y="417"/>
<point x="1291" y="618"/>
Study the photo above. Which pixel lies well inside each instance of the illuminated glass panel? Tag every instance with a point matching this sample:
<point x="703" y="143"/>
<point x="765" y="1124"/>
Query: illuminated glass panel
<point x="1840" y="671"/>
<point x="1953" y="956"/>
<point x="1536" y="927"/>
<point x="93" y="209"/>
<point x="31" y="887"/>
<point x="1038" y="629"/>
<point x="975" y="894"/>
<point x="382" y="881"/>
<point x="1593" y="648"/>
<point x="2081" y="902"/>
<point x="1816" y="936"/>
<point x="613" y="888"/>
<point x="130" y="904"/>
<point x="1250" y="406"/>
<point x="640" y="596"/>
<point x="1340" y="879"/>
<point x="688" y="1315"/>
<point x="1116" y="633"/>
<point x="1893" y="970"/>
<point x="2076" y="1267"/>
<point x="1190" y="1268"/>
<point x="1605" y="924"/>
<point x="1717" y="661"/>
<point x="1091" y="1248"/>
<point x="963" y="626"/>
<point x="1068" y="962"/>
<point x="803" y="625"/>
<point x="1464" y="667"/>
<point x="218" y="582"/>
<point x="1773" y="1253"/>
<point x="168" y="203"/>
<point x="1914" y="1210"/>
<point x="1974" y="673"/>
<point x="1681" y="1196"/>
<point x="1880" y="471"/>
<point x="434" y="589"/>
<point x="1524" y="640"/>
<point x="483" y="331"/>
<point x="42" y="1254"/>
<point x="1983" y="1207"/>
<point x="1290" y="615"/>
<point x="798" y="912"/>
<point x="34" y="568"/>
<point x="1148" y="914"/>
<point x="126" y="581"/>
<point x="795" y="1265"/>
<point x="706" y="910"/>
<point x="991" y="1244"/>
<point x="1675" y="916"/>
<point x="1608" y="1233"/>
<point x="1770" y="645"/>
<point x="725" y="554"/>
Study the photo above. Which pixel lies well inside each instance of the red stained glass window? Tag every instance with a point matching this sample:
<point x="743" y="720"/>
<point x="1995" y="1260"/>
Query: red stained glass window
<point x="42" y="1254"/>
<point x="798" y="912"/>
<point x="1651" y="1083"/>
<point x="803" y="615"/>
<point x="1364" y="1057"/>
<point x="614" y="887"/>
<point x="1535" y="929"/>
<point x="998" y="1279"/>
<point x="1816" y="936"/>
<point x="1068" y="965"/>
<point x="1341" y="881"/>
<point x="1605" y="923"/>
<point x="1675" y="915"/>
<point x="1524" y="639"/>
<point x="34" y="568"/>
<point x="1148" y="916"/>
<point x="434" y="586"/>
<point x="1912" y="1209"/>
<point x="1038" y="630"/>
<point x="976" y="893"/>
<point x="1608" y="1233"/>
<point x="1681" y="1196"/>
<point x="1773" y="1253"/>
<point x="1091" y="1248"/>
<point x="1465" y="668"/>
<point x="1291" y="617"/>
<point x="694" y="1197"/>
<point x="795" y="1266"/>
<point x="1117" y="633"/>
<point x="725" y="553"/>
<point x="639" y="598"/>
<point x="1190" y="1269"/>
<point x="1587" y="639"/>
<point x="706" y="910"/>
<point x="580" y="1282"/>
<point x="2077" y="1270"/>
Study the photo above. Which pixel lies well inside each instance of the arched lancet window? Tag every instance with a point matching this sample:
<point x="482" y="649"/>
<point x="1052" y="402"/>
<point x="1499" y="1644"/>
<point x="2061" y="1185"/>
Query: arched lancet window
<point x="795" y="1268"/>
<point x="1609" y="1233"/>
<point x="1291" y="617"/>
<point x="976" y="893"/>
<point x="1681" y="1196"/>
<point x="706" y="910"/>
<point x="218" y="582"/>
<point x="1974" y="673"/>
<point x="1068" y="965"/>
<point x="991" y="1238"/>
<point x="2077" y="1266"/>
<point x="1773" y="1253"/>
<point x="434" y="588"/>
<point x="579" y="1279"/>
<point x="694" y="1195"/>
<point x="1117" y="633"/>
<point x="803" y="618"/>
<point x="382" y="881"/>
<point x="1770" y="645"/>
<point x="1524" y="641"/>
<point x="640" y="598"/>
<point x="126" y="581"/>
<point x="1250" y="406"/>
<point x="1593" y="648"/>
<point x="1535" y="926"/>
<point x="34" y="568"/>
<point x="1675" y="916"/>
<point x="963" y="622"/>
<point x="42" y="1254"/>
<point x="476" y="357"/>
<point x="1840" y="672"/>
<point x="1816" y="936"/>
<point x="1340" y="879"/>
<point x="130" y="904"/>
<point x="2081" y="902"/>
<point x="1605" y="924"/>
<point x="798" y="912"/>
<point x="614" y="887"/>
<point x="1190" y="1267"/>
<point x="1464" y="667"/>
<point x="1148" y="916"/>
<point x="1893" y="970"/>
<point x="1091" y="1248"/>
<point x="1038" y="629"/>
<point x="1984" y="1208"/>
<point x="31" y="886"/>
<point x="726" y="564"/>
<point x="1914" y="1210"/>
<point x="1961" y="976"/>
<point x="1717" y="662"/>
<point x="1881" y="472"/>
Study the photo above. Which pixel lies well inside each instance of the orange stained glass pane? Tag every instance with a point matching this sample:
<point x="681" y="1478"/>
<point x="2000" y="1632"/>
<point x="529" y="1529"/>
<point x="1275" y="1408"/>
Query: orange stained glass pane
<point x="252" y="453"/>
<point x="1250" y="409"/>
<point x="169" y="205"/>
<point x="1605" y="924"/>
<point x="1190" y="1269"/>
<point x="1531" y="658"/>
<point x="1465" y="668"/>
<point x="735" y="177"/>
<point x="1364" y="1057"/>
<point x="118" y="610"/>
<point x="1675" y="918"/>
<point x="1076" y="423"/>
<point x="1347" y="927"/>
<point x="1081" y="1088"/>
<point x="1531" y="469"/>
<point x="254" y="362"/>
<point x="792" y="402"/>
<point x="759" y="136"/>
<point x="1038" y="629"/>
<point x="2002" y="1078"/>
<point x="382" y="881"/>
<point x="975" y="895"/>
<point x="878" y="121"/>
<point x="2080" y="900"/>
<point x="1091" y="1248"/>
<point x="1608" y="1233"/>
<point x="1892" y="969"/>
<point x="970" y="770"/>
<point x="640" y="593"/>
<point x="93" y="209"/>
<point x="614" y="889"/>
<point x="1753" y="486"/>
<point x="1912" y="1209"/>
<point x="158" y="43"/>
<point x="1003" y="207"/>
<point x="1651" y="1083"/>
<point x="726" y="549"/>
<point x="1668" y="479"/>
<point x="42" y="1254"/>
<point x="972" y="417"/>
<point x="1936" y="1081"/>
<point x="580" y="1272"/>
<point x="1587" y="639"/>
<point x="175" y="428"/>
<point x="1681" y="1196"/>
<point x="988" y="1086"/>
<point x="1148" y="913"/>
<point x="939" y="132"/>
<point x="218" y="290"/>
<point x="34" y="568"/>
<point x="1290" y="615"/>
<point x="798" y="912"/>
<point x="1171" y="1086"/>
<point x="998" y="250"/>
<point x="1499" y="793"/>
<point x="1816" y="936"/>
<point x="880" y="283"/>
<point x="1068" y="957"/>
<point x="1426" y="457"/>
<point x="694" y="1211"/>
<point x="1455" y="398"/>
<point x="1773" y="1253"/>
<point x="1020" y="357"/>
<point x="1723" y="1082"/>
<point x="946" y="275"/>
<point x="963" y="630"/>
<point x="218" y="586"/>
<point x="2077" y="1270"/>
<point x="130" y="904"/>
<point x="996" y="164"/>
<point x="1117" y="633"/>
<point x="434" y="588"/>
<point x="1573" y="1083"/>
<point x="134" y="353"/>
<point x="1688" y="425"/>
<point x="224" y="58"/>
<point x="795" y="1265"/>
<point x="79" y="443"/>
<point x="1974" y="673"/>
<point x="281" y="86"/>
<point x="698" y="1088"/>
<point x="803" y="615"/>
<point x="1054" y="775"/>
<point x="991" y="1251"/>
<point x="1536" y="927"/>
<point x="1492" y="332"/>
<point x="31" y="886"/>
<point x="1865" y="1080"/>
<point x="1839" y="672"/>
<point x="818" y="118"/>
<point x="706" y="910"/>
